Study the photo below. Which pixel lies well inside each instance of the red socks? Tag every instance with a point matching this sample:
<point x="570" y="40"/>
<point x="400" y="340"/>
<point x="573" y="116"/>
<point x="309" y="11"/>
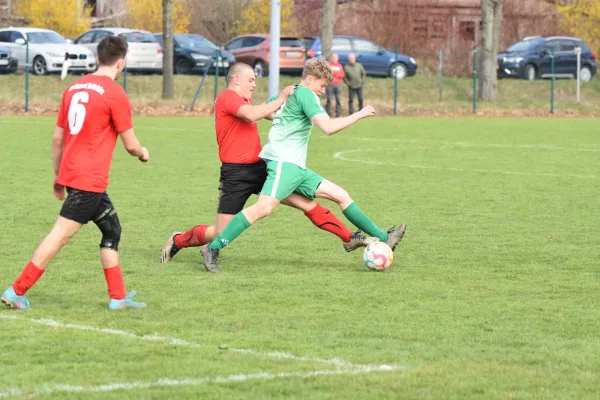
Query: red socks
<point x="27" y="279"/>
<point x="192" y="238"/>
<point x="114" y="281"/>
<point x="326" y="220"/>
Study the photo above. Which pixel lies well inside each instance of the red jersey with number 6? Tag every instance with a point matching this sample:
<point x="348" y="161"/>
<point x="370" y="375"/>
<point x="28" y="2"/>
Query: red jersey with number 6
<point x="94" y="110"/>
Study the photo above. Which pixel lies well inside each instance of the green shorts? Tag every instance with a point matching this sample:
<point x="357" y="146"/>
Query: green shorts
<point x="284" y="178"/>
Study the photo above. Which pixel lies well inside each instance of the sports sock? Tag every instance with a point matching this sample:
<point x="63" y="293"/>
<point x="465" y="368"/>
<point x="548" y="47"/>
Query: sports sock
<point x="362" y="222"/>
<point x="238" y="224"/>
<point x="192" y="238"/>
<point x="324" y="219"/>
<point x="114" y="281"/>
<point x="31" y="273"/>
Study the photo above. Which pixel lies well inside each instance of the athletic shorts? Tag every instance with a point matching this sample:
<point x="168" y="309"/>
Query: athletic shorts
<point x="284" y="178"/>
<point x="83" y="207"/>
<point x="237" y="183"/>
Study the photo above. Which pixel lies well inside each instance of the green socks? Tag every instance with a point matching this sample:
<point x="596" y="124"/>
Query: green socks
<point x="238" y="224"/>
<point x="362" y="222"/>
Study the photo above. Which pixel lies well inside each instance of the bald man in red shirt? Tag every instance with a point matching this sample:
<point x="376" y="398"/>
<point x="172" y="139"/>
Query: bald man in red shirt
<point x="243" y="173"/>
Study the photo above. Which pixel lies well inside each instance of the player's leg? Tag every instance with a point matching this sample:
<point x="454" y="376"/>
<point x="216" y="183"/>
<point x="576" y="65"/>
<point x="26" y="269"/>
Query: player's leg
<point x="326" y="220"/>
<point x="338" y="101"/>
<point x="282" y="180"/>
<point x="329" y="90"/>
<point x="76" y="211"/>
<point x="359" y="93"/>
<point x="107" y="220"/>
<point x="331" y="191"/>
<point x="351" y="93"/>
<point x="236" y="184"/>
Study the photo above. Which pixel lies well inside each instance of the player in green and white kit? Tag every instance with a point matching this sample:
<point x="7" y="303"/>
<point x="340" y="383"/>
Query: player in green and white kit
<point x="285" y="155"/>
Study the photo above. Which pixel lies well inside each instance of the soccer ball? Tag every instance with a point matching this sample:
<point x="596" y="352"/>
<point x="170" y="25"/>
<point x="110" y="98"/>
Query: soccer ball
<point x="378" y="256"/>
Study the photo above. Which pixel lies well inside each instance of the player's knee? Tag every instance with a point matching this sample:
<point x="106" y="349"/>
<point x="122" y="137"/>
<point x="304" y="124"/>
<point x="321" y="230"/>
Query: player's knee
<point x="110" y="227"/>
<point x="266" y="209"/>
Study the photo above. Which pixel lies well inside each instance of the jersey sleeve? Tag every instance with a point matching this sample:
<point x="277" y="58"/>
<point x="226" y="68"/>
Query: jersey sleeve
<point x="120" y="111"/>
<point x="272" y="98"/>
<point x="232" y="102"/>
<point x="310" y="103"/>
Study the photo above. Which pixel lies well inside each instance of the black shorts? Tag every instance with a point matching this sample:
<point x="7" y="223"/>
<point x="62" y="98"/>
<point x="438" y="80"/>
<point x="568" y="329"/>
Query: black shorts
<point x="83" y="207"/>
<point x="237" y="183"/>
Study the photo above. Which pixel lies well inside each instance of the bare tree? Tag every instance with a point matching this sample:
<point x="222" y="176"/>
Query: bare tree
<point x="168" y="89"/>
<point x="491" y="16"/>
<point x="216" y="19"/>
<point x="327" y="25"/>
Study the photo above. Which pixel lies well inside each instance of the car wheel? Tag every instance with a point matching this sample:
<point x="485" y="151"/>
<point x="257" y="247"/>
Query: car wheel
<point x="399" y="71"/>
<point x="585" y="74"/>
<point x="39" y="66"/>
<point x="183" y="66"/>
<point x="260" y="69"/>
<point x="530" y="72"/>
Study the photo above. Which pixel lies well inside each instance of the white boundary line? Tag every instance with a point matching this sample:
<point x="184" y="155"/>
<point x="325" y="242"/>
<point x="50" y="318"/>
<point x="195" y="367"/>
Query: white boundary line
<point x="167" y="382"/>
<point x="338" y="362"/>
<point x="494" y="145"/>
<point x="340" y="156"/>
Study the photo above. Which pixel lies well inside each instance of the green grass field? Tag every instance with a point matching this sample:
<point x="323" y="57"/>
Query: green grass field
<point x="494" y="292"/>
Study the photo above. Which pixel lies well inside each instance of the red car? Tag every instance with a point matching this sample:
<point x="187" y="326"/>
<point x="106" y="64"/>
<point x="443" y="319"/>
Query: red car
<point x="255" y="51"/>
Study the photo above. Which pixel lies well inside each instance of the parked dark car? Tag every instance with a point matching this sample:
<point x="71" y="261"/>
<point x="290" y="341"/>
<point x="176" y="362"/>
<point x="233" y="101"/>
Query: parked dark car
<point x="377" y="60"/>
<point x="8" y="60"/>
<point x="531" y="58"/>
<point x="194" y="53"/>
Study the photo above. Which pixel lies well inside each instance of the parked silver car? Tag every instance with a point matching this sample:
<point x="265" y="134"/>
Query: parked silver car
<point x="8" y="60"/>
<point x="47" y="50"/>
<point x="144" y="54"/>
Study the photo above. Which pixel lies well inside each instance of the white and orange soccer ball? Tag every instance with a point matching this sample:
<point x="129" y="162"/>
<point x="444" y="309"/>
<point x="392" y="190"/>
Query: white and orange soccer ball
<point x="378" y="256"/>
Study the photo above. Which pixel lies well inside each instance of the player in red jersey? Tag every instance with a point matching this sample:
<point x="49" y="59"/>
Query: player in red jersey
<point x="94" y="111"/>
<point x="243" y="173"/>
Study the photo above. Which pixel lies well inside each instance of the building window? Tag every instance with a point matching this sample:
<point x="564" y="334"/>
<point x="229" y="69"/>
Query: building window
<point x="467" y="30"/>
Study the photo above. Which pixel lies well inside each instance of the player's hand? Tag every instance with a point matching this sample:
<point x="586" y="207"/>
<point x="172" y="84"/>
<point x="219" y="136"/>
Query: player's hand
<point x="145" y="155"/>
<point x="367" y="111"/>
<point x="59" y="191"/>
<point x="285" y="93"/>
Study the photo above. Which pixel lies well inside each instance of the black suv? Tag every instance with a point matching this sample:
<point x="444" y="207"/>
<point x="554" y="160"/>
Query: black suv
<point x="194" y="53"/>
<point x="531" y="59"/>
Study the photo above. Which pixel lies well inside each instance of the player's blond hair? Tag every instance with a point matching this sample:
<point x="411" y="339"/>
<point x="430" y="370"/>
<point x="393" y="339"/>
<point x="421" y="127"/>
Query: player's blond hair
<point x="319" y="68"/>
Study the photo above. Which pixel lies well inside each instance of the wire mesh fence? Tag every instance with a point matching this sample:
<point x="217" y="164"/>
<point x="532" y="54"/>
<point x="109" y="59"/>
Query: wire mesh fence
<point x="445" y="83"/>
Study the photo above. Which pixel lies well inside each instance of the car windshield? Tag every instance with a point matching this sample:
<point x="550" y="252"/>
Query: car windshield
<point x="194" y="42"/>
<point x="138" y="37"/>
<point x="45" y="37"/>
<point x="526" y="45"/>
<point x="290" y="42"/>
<point x="308" y="42"/>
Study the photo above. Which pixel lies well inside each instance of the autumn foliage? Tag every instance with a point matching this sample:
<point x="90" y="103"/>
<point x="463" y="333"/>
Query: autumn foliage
<point x="147" y="15"/>
<point x="582" y="19"/>
<point x="256" y="18"/>
<point x="70" y="19"/>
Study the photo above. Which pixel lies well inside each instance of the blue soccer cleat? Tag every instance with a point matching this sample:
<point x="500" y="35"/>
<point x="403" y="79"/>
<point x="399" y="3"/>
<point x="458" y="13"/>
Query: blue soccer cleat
<point x="12" y="300"/>
<point x="114" y="304"/>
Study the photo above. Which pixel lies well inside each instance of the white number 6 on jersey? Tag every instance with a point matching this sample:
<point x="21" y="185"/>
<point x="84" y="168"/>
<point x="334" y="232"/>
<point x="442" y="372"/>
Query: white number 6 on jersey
<point x="77" y="111"/>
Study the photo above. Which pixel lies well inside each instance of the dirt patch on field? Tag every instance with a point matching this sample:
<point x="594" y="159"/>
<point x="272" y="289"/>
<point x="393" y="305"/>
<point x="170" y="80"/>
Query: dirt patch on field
<point x="205" y="110"/>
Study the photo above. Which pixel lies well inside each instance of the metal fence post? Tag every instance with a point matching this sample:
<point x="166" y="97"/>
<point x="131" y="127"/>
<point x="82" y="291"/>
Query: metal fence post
<point x="552" y="82"/>
<point x="396" y="83"/>
<point x="440" y="74"/>
<point x="578" y="51"/>
<point x="199" y="87"/>
<point x="27" y="76"/>
<point x="475" y="79"/>
<point x="217" y="73"/>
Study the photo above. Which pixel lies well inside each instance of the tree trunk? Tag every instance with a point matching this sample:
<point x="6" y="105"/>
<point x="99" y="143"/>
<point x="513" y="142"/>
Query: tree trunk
<point x="168" y="90"/>
<point x="491" y="16"/>
<point x="327" y="24"/>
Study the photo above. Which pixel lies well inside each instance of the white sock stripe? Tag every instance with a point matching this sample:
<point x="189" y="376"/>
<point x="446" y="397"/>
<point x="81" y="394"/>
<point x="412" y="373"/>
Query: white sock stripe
<point x="277" y="178"/>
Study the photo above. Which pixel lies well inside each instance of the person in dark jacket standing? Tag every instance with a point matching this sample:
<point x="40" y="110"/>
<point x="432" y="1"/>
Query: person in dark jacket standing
<point x="355" y="79"/>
